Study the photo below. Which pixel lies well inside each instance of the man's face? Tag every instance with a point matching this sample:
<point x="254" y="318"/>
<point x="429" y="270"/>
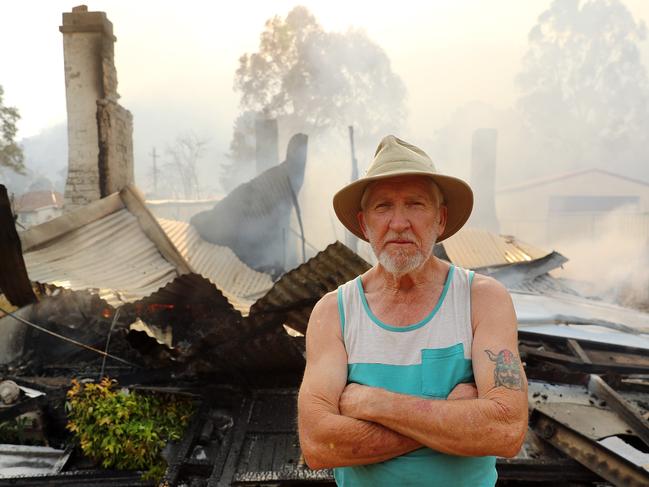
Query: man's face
<point x="402" y="220"/>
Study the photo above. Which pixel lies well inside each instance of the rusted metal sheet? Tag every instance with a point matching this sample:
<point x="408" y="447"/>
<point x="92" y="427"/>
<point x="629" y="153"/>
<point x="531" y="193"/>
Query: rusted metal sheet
<point x="472" y="248"/>
<point x="297" y="291"/>
<point x="208" y="334"/>
<point x="610" y="466"/>
<point x="238" y="282"/>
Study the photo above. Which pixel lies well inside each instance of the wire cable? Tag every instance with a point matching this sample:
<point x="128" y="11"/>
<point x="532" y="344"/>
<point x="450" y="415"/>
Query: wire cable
<point x="64" y="338"/>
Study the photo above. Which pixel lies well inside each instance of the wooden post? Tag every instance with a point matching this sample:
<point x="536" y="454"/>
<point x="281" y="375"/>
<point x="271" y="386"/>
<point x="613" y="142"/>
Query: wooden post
<point x="14" y="282"/>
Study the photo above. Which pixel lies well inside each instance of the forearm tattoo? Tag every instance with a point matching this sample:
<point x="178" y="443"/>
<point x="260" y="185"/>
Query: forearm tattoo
<point x="508" y="369"/>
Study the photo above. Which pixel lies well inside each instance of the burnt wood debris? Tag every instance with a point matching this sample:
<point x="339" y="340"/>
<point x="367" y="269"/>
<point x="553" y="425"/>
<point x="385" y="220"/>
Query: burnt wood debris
<point x="209" y="310"/>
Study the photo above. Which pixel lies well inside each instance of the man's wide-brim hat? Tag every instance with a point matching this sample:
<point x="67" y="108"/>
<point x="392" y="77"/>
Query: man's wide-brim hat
<point x="394" y="158"/>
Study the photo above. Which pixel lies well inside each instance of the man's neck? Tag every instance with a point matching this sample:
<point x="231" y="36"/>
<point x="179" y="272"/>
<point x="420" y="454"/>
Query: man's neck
<point x="431" y="272"/>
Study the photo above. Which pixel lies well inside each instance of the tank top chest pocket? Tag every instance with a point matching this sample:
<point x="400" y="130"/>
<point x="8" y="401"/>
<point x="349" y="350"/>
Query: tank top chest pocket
<point x="442" y="369"/>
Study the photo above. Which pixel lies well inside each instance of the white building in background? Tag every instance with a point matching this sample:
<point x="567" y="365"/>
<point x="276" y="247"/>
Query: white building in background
<point x="574" y="205"/>
<point x="36" y="207"/>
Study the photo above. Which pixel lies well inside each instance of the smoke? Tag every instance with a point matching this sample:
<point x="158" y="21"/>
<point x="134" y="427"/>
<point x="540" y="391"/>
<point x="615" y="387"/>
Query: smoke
<point x="612" y="262"/>
<point x="328" y="169"/>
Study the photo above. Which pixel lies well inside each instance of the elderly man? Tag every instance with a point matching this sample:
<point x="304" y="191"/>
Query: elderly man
<point x="413" y="375"/>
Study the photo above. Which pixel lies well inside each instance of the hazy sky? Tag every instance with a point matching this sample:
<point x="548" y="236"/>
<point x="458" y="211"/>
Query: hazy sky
<point x="176" y="60"/>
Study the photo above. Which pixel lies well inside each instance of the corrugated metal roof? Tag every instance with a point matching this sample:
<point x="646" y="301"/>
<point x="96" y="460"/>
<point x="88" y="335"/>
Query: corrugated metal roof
<point x="564" y="308"/>
<point x="472" y="248"/>
<point x="114" y="251"/>
<point x="238" y="282"/>
<point x="298" y="290"/>
<point x="111" y="257"/>
<point x="211" y="334"/>
<point x="543" y="284"/>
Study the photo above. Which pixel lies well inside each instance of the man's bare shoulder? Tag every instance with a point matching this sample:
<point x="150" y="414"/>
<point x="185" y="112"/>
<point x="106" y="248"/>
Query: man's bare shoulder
<point x="327" y="303"/>
<point x="485" y="288"/>
<point x="324" y="315"/>
<point x="489" y="298"/>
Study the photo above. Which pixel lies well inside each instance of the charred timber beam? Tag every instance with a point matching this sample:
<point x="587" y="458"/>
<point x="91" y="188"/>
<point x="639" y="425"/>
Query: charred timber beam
<point x="134" y="201"/>
<point x="14" y="281"/>
<point x="184" y="449"/>
<point x="576" y="349"/>
<point x="224" y="473"/>
<point x="617" y="403"/>
<point x="530" y="336"/>
<point x="541" y="470"/>
<point x="577" y="364"/>
<point x="591" y="454"/>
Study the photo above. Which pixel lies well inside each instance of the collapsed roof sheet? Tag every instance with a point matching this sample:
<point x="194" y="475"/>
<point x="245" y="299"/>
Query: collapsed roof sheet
<point x="115" y="248"/>
<point x="238" y="282"/>
<point x="543" y="284"/>
<point x="111" y="257"/>
<point x="298" y="290"/>
<point x="472" y="248"/>
<point x="577" y="317"/>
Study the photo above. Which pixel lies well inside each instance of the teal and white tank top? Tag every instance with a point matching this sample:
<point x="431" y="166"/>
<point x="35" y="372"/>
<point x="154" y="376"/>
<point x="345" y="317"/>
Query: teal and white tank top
<point x="426" y="359"/>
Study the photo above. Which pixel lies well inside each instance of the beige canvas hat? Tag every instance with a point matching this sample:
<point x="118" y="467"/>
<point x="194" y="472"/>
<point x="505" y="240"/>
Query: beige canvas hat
<point x="393" y="158"/>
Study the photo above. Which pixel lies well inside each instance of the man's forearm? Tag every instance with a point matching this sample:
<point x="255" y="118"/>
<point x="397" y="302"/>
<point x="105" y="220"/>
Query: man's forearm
<point x="337" y="441"/>
<point x="474" y="427"/>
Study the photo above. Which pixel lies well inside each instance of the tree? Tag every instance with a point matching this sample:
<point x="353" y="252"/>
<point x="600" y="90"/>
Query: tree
<point x="11" y="155"/>
<point x="314" y="81"/>
<point x="242" y="152"/>
<point x="584" y="90"/>
<point x="180" y="170"/>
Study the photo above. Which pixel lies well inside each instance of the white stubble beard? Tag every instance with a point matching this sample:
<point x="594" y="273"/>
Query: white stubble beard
<point x="403" y="262"/>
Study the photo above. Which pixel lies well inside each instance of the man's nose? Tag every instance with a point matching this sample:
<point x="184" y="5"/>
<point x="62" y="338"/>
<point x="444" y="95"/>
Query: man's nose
<point x="399" y="221"/>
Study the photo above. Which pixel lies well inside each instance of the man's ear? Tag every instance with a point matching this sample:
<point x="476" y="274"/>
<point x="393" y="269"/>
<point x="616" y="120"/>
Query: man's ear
<point x="361" y="221"/>
<point x="442" y="218"/>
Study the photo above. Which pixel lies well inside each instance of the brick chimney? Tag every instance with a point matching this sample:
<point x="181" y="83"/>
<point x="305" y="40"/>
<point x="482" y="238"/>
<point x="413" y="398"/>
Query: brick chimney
<point x="100" y="131"/>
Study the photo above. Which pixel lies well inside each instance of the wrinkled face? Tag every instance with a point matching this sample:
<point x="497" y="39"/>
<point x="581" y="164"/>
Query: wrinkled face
<point x="402" y="219"/>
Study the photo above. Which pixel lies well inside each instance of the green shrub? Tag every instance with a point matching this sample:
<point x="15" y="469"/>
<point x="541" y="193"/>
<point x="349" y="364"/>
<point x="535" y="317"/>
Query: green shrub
<point x="125" y="430"/>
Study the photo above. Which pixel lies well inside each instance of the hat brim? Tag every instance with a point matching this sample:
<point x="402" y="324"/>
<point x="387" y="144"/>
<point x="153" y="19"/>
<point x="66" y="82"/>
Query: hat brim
<point x="458" y="198"/>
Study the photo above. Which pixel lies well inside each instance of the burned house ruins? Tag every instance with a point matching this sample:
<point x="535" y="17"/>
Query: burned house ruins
<point x="205" y="311"/>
